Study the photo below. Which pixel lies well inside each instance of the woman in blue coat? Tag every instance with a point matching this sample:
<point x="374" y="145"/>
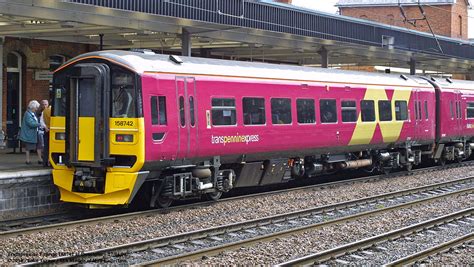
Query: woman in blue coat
<point x="29" y="129"/>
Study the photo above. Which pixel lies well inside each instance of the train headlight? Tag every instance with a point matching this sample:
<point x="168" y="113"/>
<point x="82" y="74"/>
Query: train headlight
<point x="60" y="136"/>
<point x="124" y="138"/>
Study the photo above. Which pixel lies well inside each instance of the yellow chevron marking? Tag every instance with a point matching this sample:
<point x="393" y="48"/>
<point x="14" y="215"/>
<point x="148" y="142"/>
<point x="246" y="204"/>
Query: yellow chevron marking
<point x="364" y="131"/>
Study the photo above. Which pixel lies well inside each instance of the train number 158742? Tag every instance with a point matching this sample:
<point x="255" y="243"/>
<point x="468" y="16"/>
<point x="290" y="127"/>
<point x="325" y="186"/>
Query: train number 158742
<point x="124" y="123"/>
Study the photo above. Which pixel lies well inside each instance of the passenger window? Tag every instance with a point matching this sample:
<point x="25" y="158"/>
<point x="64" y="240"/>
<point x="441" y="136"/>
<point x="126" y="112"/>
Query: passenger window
<point x="451" y="109"/>
<point x="281" y="111"/>
<point x="154" y="110"/>
<point x="191" y="111"/>
<point x="162" y="110"/>
<point x="223" y="111"/>
<point x="305" y="111"/>
<point x="458" y="110"/>
<point x="470" y="110"/>
<point x="254" y="111"/>
<point x="181" y="111"/>
<point x="158" y="110"/>
<point x="385" y="110"/>
<point x="419" y="110"/>
<point x="367" y="110"/>
<point x="426" y="110"/>
<point x="328" y="110"/>
<point x="401" y="110"/>
<point x="349" y="111"/>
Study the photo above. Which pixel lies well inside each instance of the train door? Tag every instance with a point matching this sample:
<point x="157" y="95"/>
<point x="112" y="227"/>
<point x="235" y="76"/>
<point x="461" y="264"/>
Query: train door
<point x="187" y="117"/>
<point x="88" y="109"/>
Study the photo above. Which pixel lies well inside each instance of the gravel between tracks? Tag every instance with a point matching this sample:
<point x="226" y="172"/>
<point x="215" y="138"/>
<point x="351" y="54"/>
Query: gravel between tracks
<point x="295" y="246"/>
<point x="68" y="241"/>
<point x="462" y="256"/>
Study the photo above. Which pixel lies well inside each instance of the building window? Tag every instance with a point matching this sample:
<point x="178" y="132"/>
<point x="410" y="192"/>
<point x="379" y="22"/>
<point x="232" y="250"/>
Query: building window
<point x="460" y="26"/>
<point x="328" y="110"/>
<point x="349" y="111"/>
<point x="367" y="110"/>
<point x="223" y="111"/>
<point x="13" y="61"/>
<point x="254" y="111"/>
<point x="385" y="110"/>
<point x="305" y="111"/>
<point x="401" y="110"/>
<point x="281" y="111"/>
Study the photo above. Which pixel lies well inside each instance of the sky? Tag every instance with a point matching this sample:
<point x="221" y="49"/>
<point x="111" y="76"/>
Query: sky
<point x="328" y="6"/>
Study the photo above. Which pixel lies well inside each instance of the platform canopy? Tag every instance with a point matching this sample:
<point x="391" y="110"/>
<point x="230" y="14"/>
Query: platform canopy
<point x="234" y="29"/>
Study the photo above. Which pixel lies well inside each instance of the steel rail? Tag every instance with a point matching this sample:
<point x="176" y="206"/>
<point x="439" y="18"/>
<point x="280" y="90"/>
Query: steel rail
<point x="326" y="255"/>
<point x="88" y="221"/>
<point x="416" y="257"/>
<point x="199" y="234"/>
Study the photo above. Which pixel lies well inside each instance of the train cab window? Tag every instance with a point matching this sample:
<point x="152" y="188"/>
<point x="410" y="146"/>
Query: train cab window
<point x="470" y="110"/>
<point x="349" y="111"/>
<point x="254" y="111"/>
<point x="305" y="111"/>
<point x="123" y="94"/>
<point x="328" y="111"/>
<point x="182" y="117"/>
<point x="223" y="111"/>
<point x="281" y="111"/>
<point x="401" y="110"/>
<point x="367" y="110"/>
<point x="192" y="111"/>
<point x="158" y="110"/>
<point x="385" y="110"/>
<point x="426" y="110"/>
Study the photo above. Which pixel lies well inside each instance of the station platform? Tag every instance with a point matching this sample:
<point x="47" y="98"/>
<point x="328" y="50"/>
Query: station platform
<point x="26" y="190"/>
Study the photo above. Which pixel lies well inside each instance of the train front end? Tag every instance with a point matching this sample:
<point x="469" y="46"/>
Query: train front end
<point x="97" y="133"/>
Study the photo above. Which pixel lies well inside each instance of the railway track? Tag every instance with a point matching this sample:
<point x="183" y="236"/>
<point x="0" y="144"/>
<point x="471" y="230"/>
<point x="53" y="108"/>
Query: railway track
<point x="54" y="221"/>
<point x="193" y="245"/>
<point x="372" y="250"/>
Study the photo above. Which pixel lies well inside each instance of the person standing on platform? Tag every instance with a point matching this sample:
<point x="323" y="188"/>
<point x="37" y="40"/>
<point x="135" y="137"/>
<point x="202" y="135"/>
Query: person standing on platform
<point x="29" y="129"/>
<point x="44" y="121"/>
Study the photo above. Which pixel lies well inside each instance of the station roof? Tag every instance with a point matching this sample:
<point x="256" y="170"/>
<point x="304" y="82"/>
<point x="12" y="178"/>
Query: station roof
<point x="360" y="3"/>
<point x="233" y="29"/>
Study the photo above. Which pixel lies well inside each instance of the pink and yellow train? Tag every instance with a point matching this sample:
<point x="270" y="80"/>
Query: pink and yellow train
<point x="151" y="129"/>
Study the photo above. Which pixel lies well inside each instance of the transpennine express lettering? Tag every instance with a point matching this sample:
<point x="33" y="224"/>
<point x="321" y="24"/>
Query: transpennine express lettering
<point x="234" y="139"/>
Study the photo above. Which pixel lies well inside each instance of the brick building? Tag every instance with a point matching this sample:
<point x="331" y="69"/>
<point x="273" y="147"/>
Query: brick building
<point x="27" y="72"/>
<point x="448" y="18"/>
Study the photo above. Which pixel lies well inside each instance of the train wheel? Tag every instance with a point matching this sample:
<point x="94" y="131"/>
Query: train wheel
<point x="163" y="202"/>
<point x="214" y="196"/>
<point x="386" y="170"/>
<point x="409" y="167"/>
<point x="442" y="161"/>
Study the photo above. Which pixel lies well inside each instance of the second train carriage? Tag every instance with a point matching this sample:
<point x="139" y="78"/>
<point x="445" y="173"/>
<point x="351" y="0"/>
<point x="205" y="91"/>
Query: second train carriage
<point x="156" y="128"/>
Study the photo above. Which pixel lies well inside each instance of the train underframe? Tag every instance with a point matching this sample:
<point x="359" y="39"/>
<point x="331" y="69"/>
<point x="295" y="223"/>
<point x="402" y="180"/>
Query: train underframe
<point x="211" y="178"/>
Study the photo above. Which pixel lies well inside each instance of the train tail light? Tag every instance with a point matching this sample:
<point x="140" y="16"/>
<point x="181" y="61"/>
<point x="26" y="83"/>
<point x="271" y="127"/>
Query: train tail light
<point x="124" y="138"/>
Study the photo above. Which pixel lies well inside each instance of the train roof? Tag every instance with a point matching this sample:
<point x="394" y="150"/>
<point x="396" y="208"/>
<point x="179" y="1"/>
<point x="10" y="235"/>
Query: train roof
<point x="143" y="62"/>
